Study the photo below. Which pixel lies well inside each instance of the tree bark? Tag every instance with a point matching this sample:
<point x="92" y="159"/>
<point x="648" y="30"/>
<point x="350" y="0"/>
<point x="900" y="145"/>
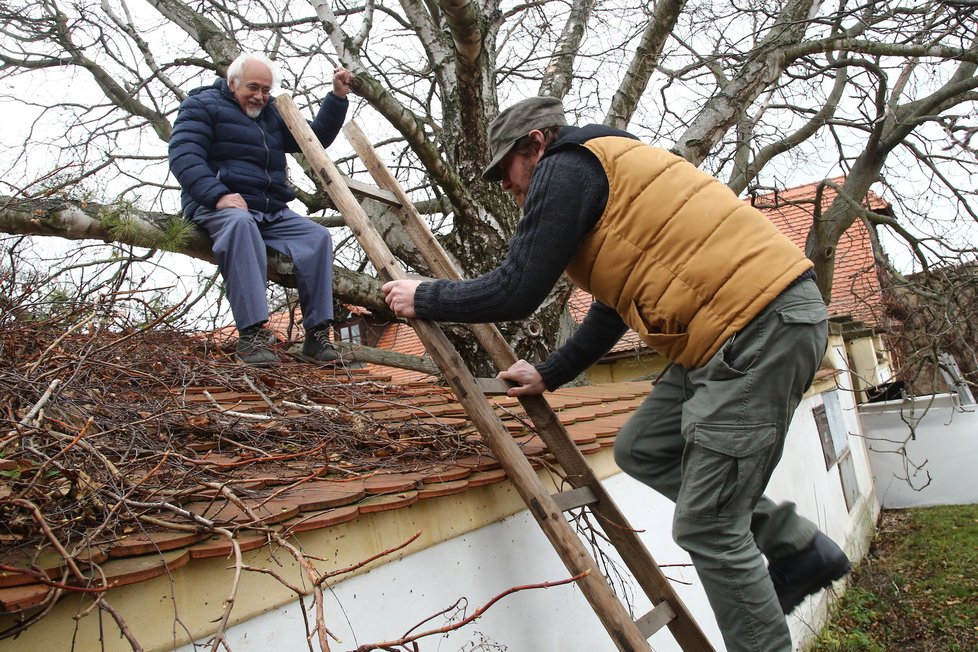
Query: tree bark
<point x="86" y="221"/>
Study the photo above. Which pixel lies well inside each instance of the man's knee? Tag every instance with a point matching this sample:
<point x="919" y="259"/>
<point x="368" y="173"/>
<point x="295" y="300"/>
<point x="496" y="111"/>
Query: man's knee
<point x="623" y="454"/>
<point x="656" y="468"/>
<point x="322" y="236"/>
<point x="642" y="445"/>
<point x="223" y="222"/>
<point x="691" y="533"/>
<point x="706" y="536"/>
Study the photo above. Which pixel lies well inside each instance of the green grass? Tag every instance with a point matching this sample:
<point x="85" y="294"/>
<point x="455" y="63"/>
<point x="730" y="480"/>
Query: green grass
<point x="916" y="591"/>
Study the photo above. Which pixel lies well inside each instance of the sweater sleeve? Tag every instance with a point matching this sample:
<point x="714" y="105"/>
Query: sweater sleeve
<point x="566" y="197"/>
<point x="601" y="329"/>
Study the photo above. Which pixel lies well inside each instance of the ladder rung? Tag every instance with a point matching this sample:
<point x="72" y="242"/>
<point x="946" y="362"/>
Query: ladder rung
<point x="494" y="386"/>
<point x="575" y="498"/>
<point x="659" y="617"/>
<point x="366" y="190"/>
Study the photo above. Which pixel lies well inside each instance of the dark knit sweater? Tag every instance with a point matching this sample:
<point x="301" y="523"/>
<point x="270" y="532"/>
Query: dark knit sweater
<point x="566" y="197"/>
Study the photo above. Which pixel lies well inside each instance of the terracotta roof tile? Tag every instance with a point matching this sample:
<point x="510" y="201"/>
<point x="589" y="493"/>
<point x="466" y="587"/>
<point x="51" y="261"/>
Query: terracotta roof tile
<point x="319" y="495"/>
<point x="439" y="489"/>
<point x="481" y="478"/>
<point x="16" y="598"/>
<point x="45" y="561"/>
<point x="130" y="570"/>
<point x="220" y="546"/>
<point x="150" y="542"/>
<point x="387" y="502"/>
<point x="322" y="519"/>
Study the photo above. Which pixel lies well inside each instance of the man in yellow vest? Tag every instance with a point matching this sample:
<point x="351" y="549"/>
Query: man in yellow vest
<point x="707" y="282"/>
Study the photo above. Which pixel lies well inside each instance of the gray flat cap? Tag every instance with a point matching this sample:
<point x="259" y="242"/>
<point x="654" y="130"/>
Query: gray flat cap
<point x="517" y="121"/>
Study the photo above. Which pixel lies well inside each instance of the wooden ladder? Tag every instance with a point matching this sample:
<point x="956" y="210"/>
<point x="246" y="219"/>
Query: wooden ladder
<point x="628" y="635"/>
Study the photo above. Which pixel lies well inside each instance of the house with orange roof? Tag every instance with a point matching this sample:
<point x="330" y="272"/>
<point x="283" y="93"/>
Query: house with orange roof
<point x="215" y="506"/>
<point x="856" y="290"/>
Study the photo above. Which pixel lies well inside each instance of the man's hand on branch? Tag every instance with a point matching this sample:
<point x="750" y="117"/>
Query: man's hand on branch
<point x="342" y="82"/>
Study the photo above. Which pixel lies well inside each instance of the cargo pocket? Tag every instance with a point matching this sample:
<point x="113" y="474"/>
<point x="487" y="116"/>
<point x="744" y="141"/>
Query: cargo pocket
<point x="725" y="468"/>
<point x="809" y="312"/>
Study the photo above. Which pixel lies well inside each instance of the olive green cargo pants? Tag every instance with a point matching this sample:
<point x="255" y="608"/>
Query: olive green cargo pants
<point x="709" y="439"/>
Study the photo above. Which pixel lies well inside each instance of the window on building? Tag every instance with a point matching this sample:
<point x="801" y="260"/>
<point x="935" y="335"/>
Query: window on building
<point x="834" y="435"/>
<point x="850" y="485"/>
<point x="349" y="332"/>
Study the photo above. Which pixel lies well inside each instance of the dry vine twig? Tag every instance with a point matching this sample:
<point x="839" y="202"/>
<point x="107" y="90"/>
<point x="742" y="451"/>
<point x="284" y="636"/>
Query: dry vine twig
<point x="407" y="639"/>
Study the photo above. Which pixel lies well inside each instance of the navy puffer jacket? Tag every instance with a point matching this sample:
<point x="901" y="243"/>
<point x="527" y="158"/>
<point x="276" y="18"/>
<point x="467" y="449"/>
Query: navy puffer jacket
<point x="216" y="149"/>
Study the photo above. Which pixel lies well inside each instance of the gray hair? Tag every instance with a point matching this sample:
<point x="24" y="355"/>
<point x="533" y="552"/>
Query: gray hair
<point x="237" y="66"/>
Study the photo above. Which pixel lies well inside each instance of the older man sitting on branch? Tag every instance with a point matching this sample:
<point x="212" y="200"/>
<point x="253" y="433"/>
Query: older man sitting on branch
<point x="228" y="152"/>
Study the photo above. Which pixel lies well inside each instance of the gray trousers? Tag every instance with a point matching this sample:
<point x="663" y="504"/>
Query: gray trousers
<point x="239" y="240"/>
<point x="709" y="438"/>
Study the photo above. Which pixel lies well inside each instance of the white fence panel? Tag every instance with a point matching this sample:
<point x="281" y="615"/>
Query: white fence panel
<point x="923" y="452"/>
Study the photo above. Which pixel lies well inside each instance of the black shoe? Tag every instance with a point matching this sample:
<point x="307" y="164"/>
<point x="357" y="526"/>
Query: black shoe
<point x="317" y="347"/>
<point x="807" y="572"/>
<point x="253" y="346"/>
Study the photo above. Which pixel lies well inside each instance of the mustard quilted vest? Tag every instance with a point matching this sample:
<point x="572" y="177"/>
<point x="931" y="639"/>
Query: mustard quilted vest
<point x="683" y="261"/>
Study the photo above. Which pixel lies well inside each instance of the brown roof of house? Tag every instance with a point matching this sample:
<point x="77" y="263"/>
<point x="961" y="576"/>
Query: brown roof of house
<point x="856" y="288"/>
<point x="188" y="441"/>
<point x="401" y="338"/>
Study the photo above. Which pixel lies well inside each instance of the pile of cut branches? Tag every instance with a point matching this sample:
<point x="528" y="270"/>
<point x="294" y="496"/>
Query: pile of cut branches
<point x="108" y="430"/>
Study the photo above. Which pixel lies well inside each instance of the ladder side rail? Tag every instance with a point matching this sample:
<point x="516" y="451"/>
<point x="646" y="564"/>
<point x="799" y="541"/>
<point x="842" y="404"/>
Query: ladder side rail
<point x="622" y="535"/>
<point x="430" y="249"/>
<point x="579" y="473"/>
<point x="428" y="246"/>
<point x="616" y="620"/>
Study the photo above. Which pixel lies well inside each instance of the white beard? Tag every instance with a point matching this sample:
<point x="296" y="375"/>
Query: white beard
<point x="254" y="112"/>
